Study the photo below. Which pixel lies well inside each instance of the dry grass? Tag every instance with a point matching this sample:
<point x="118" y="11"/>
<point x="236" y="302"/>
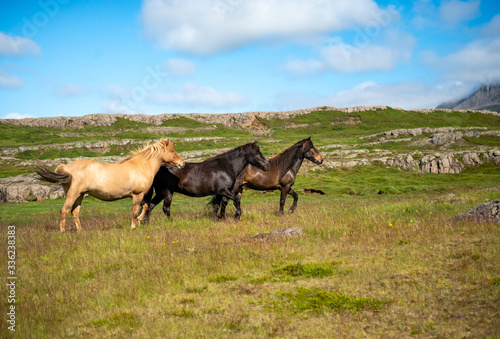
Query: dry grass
<point x="197" y="278"/>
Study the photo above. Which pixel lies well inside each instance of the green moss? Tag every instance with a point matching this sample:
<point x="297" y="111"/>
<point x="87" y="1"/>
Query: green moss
<point x="222" y="278"/>
<point x="116" y="320"/>
<point x="317" y="301"/>
<point x="311" y="270"/>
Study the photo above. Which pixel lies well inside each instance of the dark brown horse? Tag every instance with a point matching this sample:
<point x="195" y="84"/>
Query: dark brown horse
<point x="281" y="175"/>
<point x="215" y="176"/>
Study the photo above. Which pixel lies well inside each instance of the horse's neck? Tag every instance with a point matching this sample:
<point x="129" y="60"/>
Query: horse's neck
<point x="296" y="165"/>
<point x="155" y="163"/>
<point x="296" y="162"/>
<point x="239" y="164"/>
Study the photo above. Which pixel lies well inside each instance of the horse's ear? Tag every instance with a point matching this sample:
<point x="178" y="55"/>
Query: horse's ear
<point x="255" y="143"/>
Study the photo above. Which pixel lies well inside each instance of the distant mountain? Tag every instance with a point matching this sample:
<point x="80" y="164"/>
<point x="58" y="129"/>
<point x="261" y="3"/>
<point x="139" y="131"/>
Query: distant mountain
<point x="486" y="97"/>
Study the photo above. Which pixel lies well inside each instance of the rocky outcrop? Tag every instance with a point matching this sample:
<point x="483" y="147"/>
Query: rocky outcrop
<point x="445" y="138"/>
<point x="489" y="212"/>
<point x="24" y="188"/>
<point x="225" y="119"/>
<point x="403" y="162"/>
<point x="421" y="130"/>
<point x="440" y="163"/>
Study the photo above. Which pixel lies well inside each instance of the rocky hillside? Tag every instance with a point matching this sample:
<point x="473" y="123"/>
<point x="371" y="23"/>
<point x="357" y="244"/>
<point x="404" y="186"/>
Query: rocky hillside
<point x="226" y="119"/>
<point x="444" y="142"/>
<point x="487" y="97"/>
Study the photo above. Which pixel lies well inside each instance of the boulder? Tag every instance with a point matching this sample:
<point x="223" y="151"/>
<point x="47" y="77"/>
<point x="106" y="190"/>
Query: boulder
<point x="404" y="162"/>
<point x="471" y="159"/>
<point x="279" y="233"/>
<point x="489" y="212"/>
<point x="445" y="138"/>
<point x="440" y="163"/>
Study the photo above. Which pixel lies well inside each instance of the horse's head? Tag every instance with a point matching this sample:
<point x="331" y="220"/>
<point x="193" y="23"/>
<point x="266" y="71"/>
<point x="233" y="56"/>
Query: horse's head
<point x="310" y="152"/>
<point x="256" y="158"/>
<point x="170" y="156"/>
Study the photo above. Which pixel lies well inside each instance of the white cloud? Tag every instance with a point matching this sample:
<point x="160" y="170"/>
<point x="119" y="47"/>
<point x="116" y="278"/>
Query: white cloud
<point x="447" y="15"/>
<point x="194" y="95"/>
<point x="492" y="28"/>
<point x="205" y="27"/>
<point x="407" y="95"/>
<point x="17" y="116"/>
<point x="179" y="67"/>
<point x="454" y="12"/>
<point x="9" y="81"/>
<point x="118" y="107"/>
<point x="361" y="57"/>
<point x="11" y="46"/>
<point x="478" y="62"/>
<point x="68" y="90"/>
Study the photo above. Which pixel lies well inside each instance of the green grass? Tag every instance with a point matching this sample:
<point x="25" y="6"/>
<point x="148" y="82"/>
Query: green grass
<point x="384" y="266"/>
<point x="378" y="257"/>
<point x="319" y="300"/>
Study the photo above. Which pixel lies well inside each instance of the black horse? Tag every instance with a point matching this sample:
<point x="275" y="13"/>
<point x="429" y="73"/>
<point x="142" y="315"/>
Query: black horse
<point x="281" y="175"/>
<point x="215" y="176"/>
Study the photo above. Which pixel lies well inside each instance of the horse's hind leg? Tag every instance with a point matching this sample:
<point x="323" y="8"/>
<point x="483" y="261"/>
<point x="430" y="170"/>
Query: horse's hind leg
<point x="71" y="197"/>
<point x="216" y="201"/>
<point x="223" y="205"/>
<point x="295" y="199"/>
<point x="75" y="211"/>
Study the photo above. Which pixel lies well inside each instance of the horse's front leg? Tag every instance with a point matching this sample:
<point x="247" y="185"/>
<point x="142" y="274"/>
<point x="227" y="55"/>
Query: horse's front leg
<point x="144" y="217"/>
<point x="229" y="195"/>
<point x="295" y="199"/>
<point x="136" y="205"/>
<point x="284" y="192"/>
<point x="167" y="201"/>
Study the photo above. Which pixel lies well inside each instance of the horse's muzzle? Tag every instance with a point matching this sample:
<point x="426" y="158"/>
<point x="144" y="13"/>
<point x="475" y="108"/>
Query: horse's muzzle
<point x="318" y="162"/>
<point x="181" y="165"/>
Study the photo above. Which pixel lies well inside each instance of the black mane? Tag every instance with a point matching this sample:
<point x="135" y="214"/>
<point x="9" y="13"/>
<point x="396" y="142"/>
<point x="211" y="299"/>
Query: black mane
<point x="286" y="159"/>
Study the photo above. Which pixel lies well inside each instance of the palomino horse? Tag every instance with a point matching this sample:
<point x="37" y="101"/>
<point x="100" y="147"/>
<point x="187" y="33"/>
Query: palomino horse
<point x="131" y="176"/>
<point x="281" y="175"/>
<point x="214" y="176"/>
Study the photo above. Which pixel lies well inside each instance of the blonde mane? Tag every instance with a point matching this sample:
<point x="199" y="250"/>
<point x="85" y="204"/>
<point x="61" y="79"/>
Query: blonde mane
<point x="148" y="151"/>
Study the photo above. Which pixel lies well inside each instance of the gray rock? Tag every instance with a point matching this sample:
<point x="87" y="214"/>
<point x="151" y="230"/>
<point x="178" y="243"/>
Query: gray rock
<point x="445" y="138"/>
<point x="489" y="212"/>
<point x="440" y="163"/>
<point x="471" y="159"/>
<point x="279" y="233"/>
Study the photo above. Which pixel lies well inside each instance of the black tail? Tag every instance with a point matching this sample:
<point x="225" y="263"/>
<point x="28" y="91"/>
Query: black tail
<point x="49" y="175"/>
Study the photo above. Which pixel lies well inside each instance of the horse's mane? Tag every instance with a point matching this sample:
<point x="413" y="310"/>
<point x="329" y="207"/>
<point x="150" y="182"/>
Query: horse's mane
<point x="286" y="159"/>
<point x="148" y="151"/>
<point x="231" y="152"/>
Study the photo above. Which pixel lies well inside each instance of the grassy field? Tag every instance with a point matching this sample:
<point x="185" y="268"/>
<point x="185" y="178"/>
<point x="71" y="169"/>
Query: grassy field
<point x="377" y="265"/>
<point x="379" y="257"/>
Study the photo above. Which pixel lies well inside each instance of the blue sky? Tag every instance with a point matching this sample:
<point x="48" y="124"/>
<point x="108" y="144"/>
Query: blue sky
<point x="72" y="58"/>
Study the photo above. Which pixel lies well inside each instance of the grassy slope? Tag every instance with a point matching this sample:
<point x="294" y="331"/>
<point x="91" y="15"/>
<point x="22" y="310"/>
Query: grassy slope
<point x="377" y="258"/>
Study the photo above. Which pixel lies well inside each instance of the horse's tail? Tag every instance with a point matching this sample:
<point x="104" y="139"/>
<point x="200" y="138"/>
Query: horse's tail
<point x="46" y="174"/>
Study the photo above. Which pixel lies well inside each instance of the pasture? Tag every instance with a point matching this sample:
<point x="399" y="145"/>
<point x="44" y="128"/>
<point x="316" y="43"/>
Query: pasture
<point x="374" y="265"/>
<point x="378" y="257"/>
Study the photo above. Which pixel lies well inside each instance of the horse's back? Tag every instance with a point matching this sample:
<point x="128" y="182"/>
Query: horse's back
<point x="258" y="179"/>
